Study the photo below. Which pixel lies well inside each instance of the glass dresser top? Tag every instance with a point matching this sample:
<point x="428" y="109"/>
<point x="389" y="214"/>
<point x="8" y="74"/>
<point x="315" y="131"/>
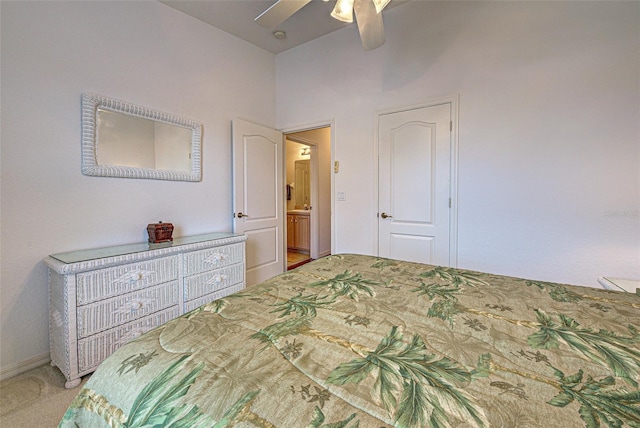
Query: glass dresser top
<point x="120" y="250"/>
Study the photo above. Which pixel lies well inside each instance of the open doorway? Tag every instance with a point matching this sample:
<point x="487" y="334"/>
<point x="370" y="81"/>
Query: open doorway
<point x="308" y="195"/>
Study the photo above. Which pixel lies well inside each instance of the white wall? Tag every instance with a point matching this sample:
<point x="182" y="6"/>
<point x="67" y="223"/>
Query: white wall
<point x="141" y="52"/>
<point x="549" y="138"/>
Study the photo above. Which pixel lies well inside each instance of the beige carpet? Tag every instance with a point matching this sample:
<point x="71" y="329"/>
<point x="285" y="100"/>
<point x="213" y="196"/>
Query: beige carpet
<point x="36" y="398"/>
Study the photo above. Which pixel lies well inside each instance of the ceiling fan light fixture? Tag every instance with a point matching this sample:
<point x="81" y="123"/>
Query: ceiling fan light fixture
<point x="343" y="11"/>
<point x="380" y="4"/>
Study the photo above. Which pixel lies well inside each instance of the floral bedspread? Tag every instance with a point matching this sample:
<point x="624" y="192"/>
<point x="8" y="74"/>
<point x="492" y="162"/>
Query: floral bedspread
<point x="358" y="341"/>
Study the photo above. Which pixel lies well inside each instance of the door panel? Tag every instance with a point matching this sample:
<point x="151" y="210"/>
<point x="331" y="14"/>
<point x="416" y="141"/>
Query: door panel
<point x="412" y="248"/>
<point x="291" y="231"/>
<point x="260" y="160"/>
<point x="257" y="176"/>
<point x="412" y="173"/>
<point x="302" y="232"/>
<point x="414" y="182"/>
<point x="260" y="243"/>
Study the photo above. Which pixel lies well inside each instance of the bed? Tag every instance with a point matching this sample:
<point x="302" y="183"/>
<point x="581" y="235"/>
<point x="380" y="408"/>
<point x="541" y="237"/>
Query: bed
<point x="359" y="341"/>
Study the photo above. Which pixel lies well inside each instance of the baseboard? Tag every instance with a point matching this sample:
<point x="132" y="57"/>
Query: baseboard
<point x="31" y="363"/>
<point x="324" y="254"/>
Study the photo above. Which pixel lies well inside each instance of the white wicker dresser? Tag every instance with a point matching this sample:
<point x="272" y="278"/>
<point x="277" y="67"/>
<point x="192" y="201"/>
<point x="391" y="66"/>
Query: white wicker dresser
<point x="100" y="299"/>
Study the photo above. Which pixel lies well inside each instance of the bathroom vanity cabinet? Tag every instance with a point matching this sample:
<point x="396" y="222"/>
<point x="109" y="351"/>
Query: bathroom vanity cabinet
<point x="298" y="231"/>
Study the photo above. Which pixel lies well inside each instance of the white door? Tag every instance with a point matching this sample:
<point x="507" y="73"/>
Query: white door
<point x="257" y="197"/>
<point x="414" y="149"/>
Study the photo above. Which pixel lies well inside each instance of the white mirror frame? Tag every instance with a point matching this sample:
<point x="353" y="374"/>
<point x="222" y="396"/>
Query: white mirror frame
<point x="90" y="166"/>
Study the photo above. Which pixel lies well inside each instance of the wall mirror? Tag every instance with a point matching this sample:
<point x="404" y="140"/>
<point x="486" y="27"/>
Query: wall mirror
<point x="302" y="187"/>
<point x="120" y="139"/>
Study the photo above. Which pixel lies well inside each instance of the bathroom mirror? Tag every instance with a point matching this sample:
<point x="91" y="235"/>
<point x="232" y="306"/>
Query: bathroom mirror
<point x="120" y="139"/>
<point x="302" y="186"/>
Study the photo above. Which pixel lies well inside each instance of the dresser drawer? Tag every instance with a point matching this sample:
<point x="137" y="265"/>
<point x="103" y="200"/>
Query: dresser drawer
<point x="196" y="303"/>
<point x="94" y="349"/>
<point x="104" y="283"/>
<point x="200" y="261"/>
<point x="208" y="282"/>
<point x="109" y="313"/>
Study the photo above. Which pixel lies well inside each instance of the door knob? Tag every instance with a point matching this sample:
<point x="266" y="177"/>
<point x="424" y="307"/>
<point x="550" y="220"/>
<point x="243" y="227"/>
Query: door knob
<point x="385" y="215"/>
<point x="240" y="215"/>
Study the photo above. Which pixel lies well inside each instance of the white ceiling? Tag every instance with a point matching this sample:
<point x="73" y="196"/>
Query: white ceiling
<point x="237" y="17"/>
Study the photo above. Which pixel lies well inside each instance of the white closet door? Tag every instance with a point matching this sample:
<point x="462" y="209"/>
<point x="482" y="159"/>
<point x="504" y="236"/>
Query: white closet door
<point x="414" y="182"/>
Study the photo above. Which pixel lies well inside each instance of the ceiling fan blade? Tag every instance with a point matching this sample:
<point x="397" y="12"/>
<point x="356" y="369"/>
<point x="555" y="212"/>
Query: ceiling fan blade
<point x="369" y="24"/>
<point x="279" y="12"/>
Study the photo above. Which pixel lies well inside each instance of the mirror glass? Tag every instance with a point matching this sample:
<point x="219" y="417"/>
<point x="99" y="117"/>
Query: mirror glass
<point x="124" y="140"/>
<point x="302" y="186"/>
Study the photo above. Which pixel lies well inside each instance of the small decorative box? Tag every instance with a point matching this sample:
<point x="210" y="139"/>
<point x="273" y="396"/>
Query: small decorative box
<point x="160" y="232"/>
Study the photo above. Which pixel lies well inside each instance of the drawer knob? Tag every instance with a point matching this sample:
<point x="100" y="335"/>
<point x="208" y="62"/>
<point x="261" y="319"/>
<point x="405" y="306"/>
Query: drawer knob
<point x="218" y="279"/>
<point x="130" y="335"/>
<point x="215" y="258"/>
<point x="139" y="275"/>
<point x="133" y="276"/>
<point x="136" y="304"/>
<point x="136" y="276"/>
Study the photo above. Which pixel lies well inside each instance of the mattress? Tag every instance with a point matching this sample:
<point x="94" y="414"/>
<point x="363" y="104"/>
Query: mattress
<point x="360" y="341"/>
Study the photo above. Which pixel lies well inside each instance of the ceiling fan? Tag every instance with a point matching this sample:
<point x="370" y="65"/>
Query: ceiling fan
<point x="368" y="17"/>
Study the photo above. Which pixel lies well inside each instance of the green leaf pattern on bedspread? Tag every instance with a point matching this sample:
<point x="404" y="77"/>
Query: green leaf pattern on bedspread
<point x="358" y="341"/>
